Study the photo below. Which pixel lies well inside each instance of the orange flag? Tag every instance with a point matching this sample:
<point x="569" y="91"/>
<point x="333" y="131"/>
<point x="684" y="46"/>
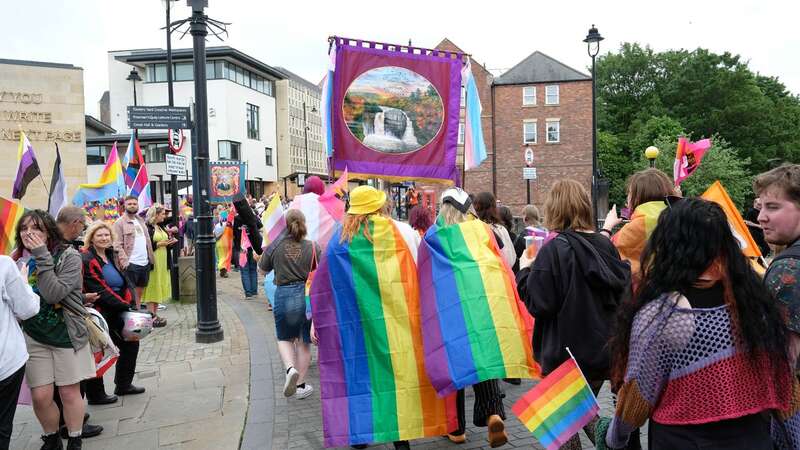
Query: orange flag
<point x="717" y="194"/>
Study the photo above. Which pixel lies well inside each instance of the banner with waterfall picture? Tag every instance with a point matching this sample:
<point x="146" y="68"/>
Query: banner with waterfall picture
<point x="395" y="111"/>
<point x="227" y="180"/>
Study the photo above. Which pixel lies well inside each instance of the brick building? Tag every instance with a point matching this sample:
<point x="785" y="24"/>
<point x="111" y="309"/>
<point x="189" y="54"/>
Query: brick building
<point x="542" y="104"/>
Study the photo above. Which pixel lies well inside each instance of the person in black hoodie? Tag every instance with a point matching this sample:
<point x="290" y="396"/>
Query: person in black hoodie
<point x="573" y="288"/>
<point x="246" y="220"/>
<point x="115" y="294"/>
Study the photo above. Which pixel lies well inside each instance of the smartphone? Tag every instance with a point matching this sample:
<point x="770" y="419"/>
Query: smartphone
<point x="625" y="213"/>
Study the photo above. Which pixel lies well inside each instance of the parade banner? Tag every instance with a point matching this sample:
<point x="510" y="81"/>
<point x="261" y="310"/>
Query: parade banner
<point x="365" y="301"/>
<point x="475" y="326"/>
<point x="395" y="111"/>
<point x="227" y="180"/>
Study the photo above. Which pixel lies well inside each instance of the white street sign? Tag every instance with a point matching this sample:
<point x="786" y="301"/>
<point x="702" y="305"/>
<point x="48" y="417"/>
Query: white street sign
<point x="529" y="173"/>
<point x="176" y="164"/>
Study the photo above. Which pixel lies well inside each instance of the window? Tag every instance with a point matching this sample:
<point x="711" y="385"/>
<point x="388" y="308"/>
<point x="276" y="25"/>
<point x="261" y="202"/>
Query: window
<point x="228" y="150"/>
<point x="268" y="156"/>
<point x="253" y="128"/>
<point x="553" y="131"/>
<point x="461" y="133"/>
<point x="182" y="71"/>
<point x="96" y="154"/>
<point x="155" y="153"/>
<point x="529" y="96"/>
<point x="529" y="132"/>
<point x="551" y="95"/>
<point x="239" y="75"/>
<point x="156" y="73"/>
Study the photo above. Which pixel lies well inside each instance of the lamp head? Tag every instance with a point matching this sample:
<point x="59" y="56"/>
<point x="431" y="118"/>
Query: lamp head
<point x="134" y="76"/>
<point x="593" y="41"/>
<point x="651" y="152"/>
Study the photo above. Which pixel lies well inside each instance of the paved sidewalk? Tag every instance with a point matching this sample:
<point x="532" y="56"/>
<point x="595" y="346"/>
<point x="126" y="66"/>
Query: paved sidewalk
<point x="196" y="396"/>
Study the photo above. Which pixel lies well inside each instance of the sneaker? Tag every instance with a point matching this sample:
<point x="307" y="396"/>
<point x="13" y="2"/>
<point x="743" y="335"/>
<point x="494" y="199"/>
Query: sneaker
<point x="290" y="385"/>
<point x="304" y="392"/>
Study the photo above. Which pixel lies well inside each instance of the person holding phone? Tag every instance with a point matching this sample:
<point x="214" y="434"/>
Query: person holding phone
<point x="159" y="285"/>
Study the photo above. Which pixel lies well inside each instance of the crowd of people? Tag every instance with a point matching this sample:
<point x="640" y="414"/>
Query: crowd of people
<point x="660" y="302"/>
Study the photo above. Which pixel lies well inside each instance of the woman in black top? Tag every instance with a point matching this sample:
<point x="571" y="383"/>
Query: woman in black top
<point x="573" y="289"/>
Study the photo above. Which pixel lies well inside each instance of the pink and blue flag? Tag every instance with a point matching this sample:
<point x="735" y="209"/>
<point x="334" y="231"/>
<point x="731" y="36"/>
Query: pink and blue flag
<point x="474" y="145"/>
<point x="327" y="99"/>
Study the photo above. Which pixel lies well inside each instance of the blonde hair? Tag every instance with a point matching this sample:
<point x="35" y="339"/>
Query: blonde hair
<point x="450" y="215"/>
<point x="94" y="228"/>
<point x="531" y="216"/>
<point x="155" y="208"/>
<point x="568" y="207"/>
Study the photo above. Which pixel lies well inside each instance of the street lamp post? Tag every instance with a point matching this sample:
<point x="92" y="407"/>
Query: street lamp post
<point x="651" y="153"/>
<point x="593" y="48"/>
<point x="173" y="179"/>
<point x="208" y="327"/>
<point x="305" y="128"/>
<point x="133" y="77"/>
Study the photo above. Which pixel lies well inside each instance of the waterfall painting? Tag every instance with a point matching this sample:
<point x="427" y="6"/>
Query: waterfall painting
<point x="393" y="110"/>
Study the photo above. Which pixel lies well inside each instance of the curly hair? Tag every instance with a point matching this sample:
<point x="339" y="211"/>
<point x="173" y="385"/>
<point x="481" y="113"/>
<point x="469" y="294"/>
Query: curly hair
<point x="690" y="236"/>
<point x="420" y="218"/>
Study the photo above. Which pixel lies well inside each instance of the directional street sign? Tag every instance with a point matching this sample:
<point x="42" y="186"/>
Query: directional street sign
<point x="529" y="173"/>
<point x="158" y="117"/>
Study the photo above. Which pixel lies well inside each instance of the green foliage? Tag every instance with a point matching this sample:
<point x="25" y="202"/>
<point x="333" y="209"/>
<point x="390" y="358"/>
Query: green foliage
<point x="650" y="98"/>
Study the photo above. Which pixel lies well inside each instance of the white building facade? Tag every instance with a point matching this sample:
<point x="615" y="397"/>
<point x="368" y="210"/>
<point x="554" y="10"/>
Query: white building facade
<point x="241" y="112"/>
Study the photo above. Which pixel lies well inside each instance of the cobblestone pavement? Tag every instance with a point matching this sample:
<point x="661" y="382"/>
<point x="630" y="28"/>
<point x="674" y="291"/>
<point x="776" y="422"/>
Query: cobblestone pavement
<point x="196" y="394"/>
<point x="298" y="423"/>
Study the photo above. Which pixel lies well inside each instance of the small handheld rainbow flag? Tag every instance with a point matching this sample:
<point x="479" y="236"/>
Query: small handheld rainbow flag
<point x="474" y="324"/>
<point x="10" y="212"/>
<point x="365" y="298"/>
<point x="559" y="406"/>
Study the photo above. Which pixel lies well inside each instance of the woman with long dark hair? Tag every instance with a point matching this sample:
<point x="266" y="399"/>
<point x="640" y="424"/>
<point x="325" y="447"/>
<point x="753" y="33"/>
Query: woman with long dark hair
<point x="700" y="351"/>
<point x="292" y="258"/>
<point x="486" y="207"/>
<point x="57" y="338"/>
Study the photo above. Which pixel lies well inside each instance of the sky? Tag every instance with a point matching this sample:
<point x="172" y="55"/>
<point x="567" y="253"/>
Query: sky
<point x="293" y="34"/>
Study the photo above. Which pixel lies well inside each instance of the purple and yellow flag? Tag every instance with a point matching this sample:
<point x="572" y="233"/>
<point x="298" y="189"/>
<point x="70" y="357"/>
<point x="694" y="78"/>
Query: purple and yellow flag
<point x="365" y="300"/>
<point x="475" y="326"/>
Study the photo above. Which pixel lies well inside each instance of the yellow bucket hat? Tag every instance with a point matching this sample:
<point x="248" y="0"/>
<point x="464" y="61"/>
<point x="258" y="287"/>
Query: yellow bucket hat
<point x="365" y="200"/>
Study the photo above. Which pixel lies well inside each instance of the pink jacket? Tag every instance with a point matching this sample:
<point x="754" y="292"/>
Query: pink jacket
<point x="124" y="238"/>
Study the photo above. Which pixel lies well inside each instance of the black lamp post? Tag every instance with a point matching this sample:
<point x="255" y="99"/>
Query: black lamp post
<point x="208" y="327"/>
<point x="133" y="77"/>
<point x="305" y="128"/>
<point x="593" y="48"/>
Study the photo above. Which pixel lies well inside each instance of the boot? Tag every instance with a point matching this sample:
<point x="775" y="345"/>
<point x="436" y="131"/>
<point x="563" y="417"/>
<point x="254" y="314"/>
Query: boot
<point x="497" y="432"/>
<point x="74" y="443"/>
<point x="52" y="442"/>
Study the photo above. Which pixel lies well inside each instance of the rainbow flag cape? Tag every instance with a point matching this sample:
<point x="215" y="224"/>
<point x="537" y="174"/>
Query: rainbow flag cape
<point x="319" y="221"/>
<point x="474" y="145"/>
<point x="687" y="158"/>
<point x="475" y="326"/>
<point x="10" y="212"/>
<point x="558" y="407"/>
<point x="717" y="194"/>
<point x="273" y="220"/>
<point x="365" y="301"/>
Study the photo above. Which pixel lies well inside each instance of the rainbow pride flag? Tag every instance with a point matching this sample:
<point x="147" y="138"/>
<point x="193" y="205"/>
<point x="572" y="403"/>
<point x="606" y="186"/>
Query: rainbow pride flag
<point x="475" y="326"/>
<point x="10" y="212"/>
<point x="365" y="300"/>
<point x="558" y="407"/>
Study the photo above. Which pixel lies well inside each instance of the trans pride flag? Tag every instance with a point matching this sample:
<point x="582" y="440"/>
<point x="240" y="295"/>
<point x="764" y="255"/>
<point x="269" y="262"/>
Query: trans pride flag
<point x="475" y="326"/>
<point x="320" y="223"/>
<point x="365" y="300"/>
<point x="474" y="145"/>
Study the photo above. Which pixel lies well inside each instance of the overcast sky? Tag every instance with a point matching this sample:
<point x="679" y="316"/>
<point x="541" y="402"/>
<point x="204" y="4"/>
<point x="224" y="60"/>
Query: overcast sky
<point x="293" y="33"/>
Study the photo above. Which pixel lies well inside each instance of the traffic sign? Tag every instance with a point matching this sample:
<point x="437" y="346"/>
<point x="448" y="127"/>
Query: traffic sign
<point x="158" y="117"/>
<point x="529" y="173"/>
<point x="529" y="156"/>
<point x="175" y="140"/>
<point x="176" y="164"/>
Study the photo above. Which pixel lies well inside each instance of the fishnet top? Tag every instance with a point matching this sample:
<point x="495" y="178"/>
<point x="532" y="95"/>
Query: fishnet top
<point x="685" y="369"/>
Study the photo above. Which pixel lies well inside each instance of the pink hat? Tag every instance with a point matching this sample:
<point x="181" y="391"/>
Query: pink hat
<point x="315" y="185"/>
